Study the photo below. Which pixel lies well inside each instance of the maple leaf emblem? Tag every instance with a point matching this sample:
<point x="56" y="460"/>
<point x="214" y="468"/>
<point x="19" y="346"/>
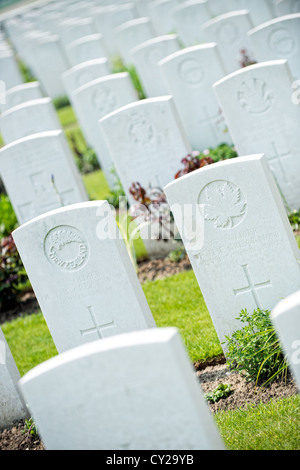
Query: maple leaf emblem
<point x="224" y="205"/>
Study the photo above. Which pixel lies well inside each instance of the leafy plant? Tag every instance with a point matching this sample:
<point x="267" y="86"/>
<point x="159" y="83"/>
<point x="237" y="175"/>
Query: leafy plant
<point x="177" y="255"/>
<point x="13" y="277"/>
<point x="30" y="428"/>
<point x="8" y="219"/>
<point x="219" y="153"/>
<point x="254" y="350"/>
<point x="86" y="159"/>
<point x="193" y="162"/>
<point x="116" y="192"/>
<point x="222" y="391"/>
<point x="294" y="218"/>
<point x="61" y="102"/>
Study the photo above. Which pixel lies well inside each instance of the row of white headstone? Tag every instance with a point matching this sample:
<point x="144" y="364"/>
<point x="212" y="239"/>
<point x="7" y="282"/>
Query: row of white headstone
<point x="236" y="217"/>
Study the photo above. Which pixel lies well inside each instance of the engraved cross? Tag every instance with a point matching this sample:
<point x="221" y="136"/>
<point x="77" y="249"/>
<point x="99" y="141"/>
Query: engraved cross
<point x="96" y="328"/>
<point x="252" y="287"/>
<point x="212" y="121"/>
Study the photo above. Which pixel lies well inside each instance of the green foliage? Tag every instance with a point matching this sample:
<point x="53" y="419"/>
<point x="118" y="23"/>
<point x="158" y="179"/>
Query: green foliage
<point x="255" y="350"/>
<point x="8" y="219"/>
<point x="219" y="153"/>
<point x="136" y="81"/>
<point x="26" y="72"/>
<point x="177" y="255"/>
<point x="13" y="277"/>
<point x="61" y="102"/>
<point x="85" y="157"/>
<point x="117" y="192"/>
<point x="294" y="218"/>
<point x="222" y="391"/>
<point x="30" y="428"/>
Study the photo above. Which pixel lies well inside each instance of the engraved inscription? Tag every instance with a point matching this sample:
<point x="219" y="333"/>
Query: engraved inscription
<point x="282" y="42"/>
<point x="104" y="100"/>
<point x="191" y="72"/>
<point x="222" y="204"/>
<point x="252" y="287"/>
<point x="140" y="130"/>
<point x="254" y="96"/>
<point x="66" y="248"/>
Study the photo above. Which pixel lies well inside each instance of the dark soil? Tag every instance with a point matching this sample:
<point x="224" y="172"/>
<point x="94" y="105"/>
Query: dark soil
<point x="210" y="374"/>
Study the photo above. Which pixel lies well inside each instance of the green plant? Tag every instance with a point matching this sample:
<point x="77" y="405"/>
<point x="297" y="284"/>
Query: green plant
<point x="116" y="192"/>
<point x="254" y="350"/>
<point x="61" y="102"/>
<point x="222" y="391"/>
<point x="177" y="255"/>
<point x="8" y="219"/>
<point x="219" y="153"/>
<point x="30" y="428"/>
<point x="13" y="277"/>
<point x="85" y="157"/>
<point x="294" y="218"/>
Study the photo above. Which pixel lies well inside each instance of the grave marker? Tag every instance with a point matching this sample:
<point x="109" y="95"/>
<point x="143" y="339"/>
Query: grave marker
<point x="286" y="319"/>
<point x="84" y="73"/>
<point x="188" y="17"/>
<point x="21" y="94"/>
<point x="27" y="119"/>
<point x="27" y="168"/>
<point x="190" y="83"/>
<point x="10" y="73"/>
<point x="229" y="32"/>
<point x="82" y="275"/>
<point x="146" y="57"/>
<point x="12" y="406"/>
<point x="278" y="39"/>
<point x="161" y="13"/>
<point x="258" y="107"/>
<point x="245" y="256"/>
<point x="87" y="48"/>
<point x="132" y="403"/>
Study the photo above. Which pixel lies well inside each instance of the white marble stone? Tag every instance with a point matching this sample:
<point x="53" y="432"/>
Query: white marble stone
<point x="27" y="119"/>
<point x="26" y="169"/>
<point x="287" y="7"/>
<point x="21" y="94"/>
<point x="146" y="141"/>
<point x="161" y="13"/>
<point x="260" y="10"/>
<point x="278" y="39"/>
<point x="87" y="48"/>
<point x="286" y="320"/>
<point x="109" y="17"/>
<point x="82" y="275"/>
<point x="188" y="16"/>
<point x="125" y="397"/>
<point x="51" y="63"/>
<point x="9" y="70"/>
<point x="145" y="58"/>
<point x="132" y="33"/>
<point x="258" y="107"/>
<point x="84" y="73"/>
<point x="188" y="79"/>
<point x="243" y="250"/>
<point x="12" y="406"/>
<point x="97" y="99"/>
<point x="72" y="29"/>
<point x="229" y="31"/>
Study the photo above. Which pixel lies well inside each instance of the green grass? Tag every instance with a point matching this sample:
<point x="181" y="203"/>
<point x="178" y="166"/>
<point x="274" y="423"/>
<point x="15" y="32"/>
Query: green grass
<point x="271" y="426"/>
<point x="96" y="185"/>
<point x="67" y="116"/>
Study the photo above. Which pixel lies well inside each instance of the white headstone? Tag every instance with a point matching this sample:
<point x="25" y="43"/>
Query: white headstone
<point x="51" y="63"/>
<point x="219" y="7"/>
<point x="146" y="57"/>
<point x="82" y="275"/>
<point x="26" y="168"/>
<point x="86" y="48"/>
<point x="125" y="397"/>
<point x="161" y="13"/>
<point x="238" y="238"/>
<point x="260" y="10"/>
<point x="258" y="107"/>
<point x="287" y="7"/>
<point x="188" y="16"/>
<point x="131" y="34"/>
<point x="95" y="100"/>
<point x="107" y="18"/>
<point x="27" y="119"/>
<point x="84" y="73"/>
<point x="21" y="94"/>
<point x="286" y="320"/>
<point x="278" y="39"/>
<point x="146" y="141"/>
<point x="229" y="31"/>
<point x="73" y="29"/>
<point x="12" y="406"/>
<point x="9" y="70"/>
<point x="188" y="79"/>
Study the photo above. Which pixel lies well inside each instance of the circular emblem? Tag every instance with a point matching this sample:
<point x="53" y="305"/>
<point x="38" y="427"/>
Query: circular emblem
<point x="254" y="96"/>
<point x="282" y="42"/>
<point x="140" y="130"/>
<point x="222" y="204"/>
<point x="66" y="248"/>
<point x="191" y="72"/>
<point x="104" y="100"/>
<point x="153" y="56"/>
<point x="228" y="33"/>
